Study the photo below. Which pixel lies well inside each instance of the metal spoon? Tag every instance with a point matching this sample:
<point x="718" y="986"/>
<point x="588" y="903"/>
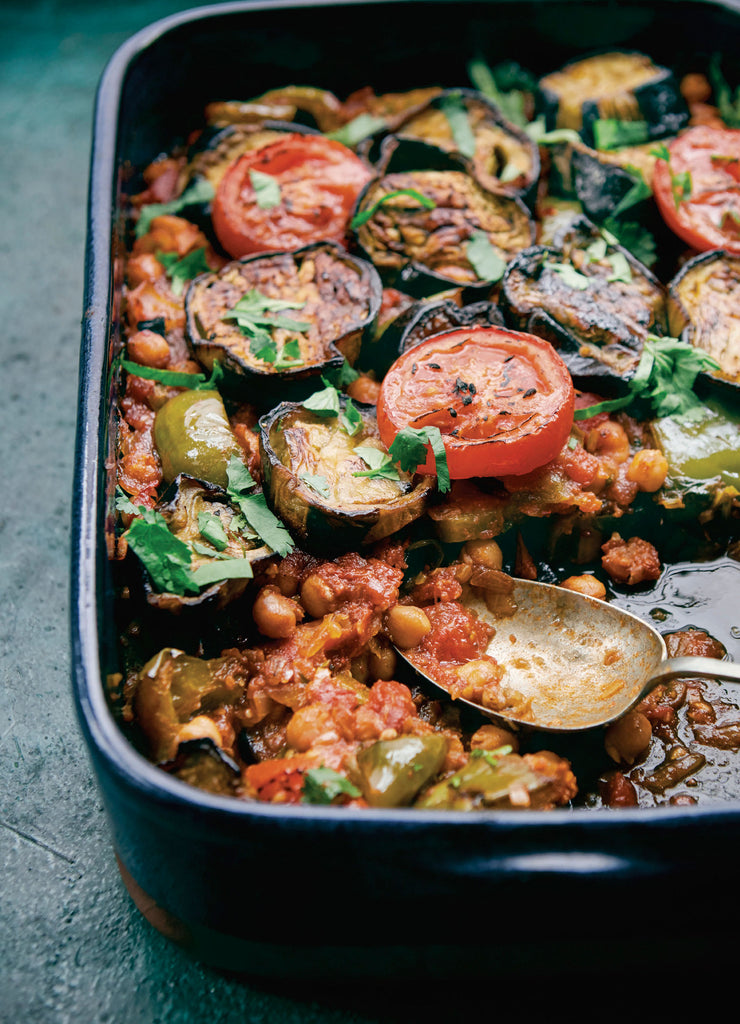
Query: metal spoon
<point x="578" y="662"/>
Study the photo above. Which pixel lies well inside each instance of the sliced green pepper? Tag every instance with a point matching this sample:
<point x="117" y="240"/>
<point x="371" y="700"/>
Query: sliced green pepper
<point x="193" y="435"/>
<point x="484" y="781"/>
<point x="393" y="771"/>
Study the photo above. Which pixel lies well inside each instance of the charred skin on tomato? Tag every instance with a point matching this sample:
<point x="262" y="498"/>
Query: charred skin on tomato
<point x="308" y="465"/>
<point x="335" y="294"/>
<point x="502" y="400"/>
<point x="421" y="320"/>
<point x="503" y="157"/>
<point x="704" y="310"/>
<point x="626" y="86"/>
<point x="596" y="312"/>
<point x="422" y="251"/>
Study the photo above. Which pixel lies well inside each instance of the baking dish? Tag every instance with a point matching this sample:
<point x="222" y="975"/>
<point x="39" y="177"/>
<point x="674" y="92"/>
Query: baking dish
<point x="253" y="887"/>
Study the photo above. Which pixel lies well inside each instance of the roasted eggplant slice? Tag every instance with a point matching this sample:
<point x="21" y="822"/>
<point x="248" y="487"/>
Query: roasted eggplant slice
<point x="594" y="302"/>
<point x="420" y="321"/>
<point x="200" y="515"/>
<point x="703" y="454"/>
<point x="332" y="488"/>
<point x="425" y="228"/>
<point x="704" y="310"/>
<point x="201" y="763"/>
<point x="617" y="85"/>
<point x="319" y="298"/>
<point x="499" y="155"/>
<point x="322" y="108"/>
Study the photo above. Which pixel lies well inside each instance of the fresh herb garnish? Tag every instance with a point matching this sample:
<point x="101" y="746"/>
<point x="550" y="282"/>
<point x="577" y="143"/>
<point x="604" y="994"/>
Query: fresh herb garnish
<point x="350" y="419"/>
<point x="611" y="133"/>
<point x="253" y="507"/>
<point x="454" y="109"/>
<point x="664" y="379"/>
<point x="538" y="133"/>
<point x="634" y="237"/>
<point x="250" y="316"/>
<point x="680" y="183"/>
<point x="211" y="529"/>
<point x="570" y="276"/>
<point x="201" y="191"/>
<point x="323" y="785"/>
<point x="483" y="258"/>
<point x="621" y="270"/>
<point x="266" y="189"/>
<point x="317" y="483"/>
<point x="636" y="193"/>
<point x="380" y="463"/>
<point x="357" y="129"/>
<point x="409" y="451"/>
<point x="176" y="378"/>
<point x="506" y="85"/>
<point x="180" y="270"/>
<point x="326" y="403"/>
<point x="341" y="376"/>
<point x="727" y="103"/>
<point x="364" y="215"/>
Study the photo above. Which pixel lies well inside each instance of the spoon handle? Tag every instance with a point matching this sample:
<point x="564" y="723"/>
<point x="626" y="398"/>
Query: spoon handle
<point x="712" y="667"/>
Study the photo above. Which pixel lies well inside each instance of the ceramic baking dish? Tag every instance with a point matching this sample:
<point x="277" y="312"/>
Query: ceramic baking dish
<point x="272" y="891"/>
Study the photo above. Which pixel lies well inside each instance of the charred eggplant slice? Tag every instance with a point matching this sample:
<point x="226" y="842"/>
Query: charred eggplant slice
<point x="427" y="230"/>
<point x="319" y="107"/>
<point x="624" y="86"/>
<point x="200" y="515"/>
<point x="332" y="488"/>
<point x="201" y="763"/>
<point x="421" y="320"/>
<point x="704" y="310"/>
<point x="595" y="302"/>
<point x="319" y="298"/>
<point x="499" y="155"/>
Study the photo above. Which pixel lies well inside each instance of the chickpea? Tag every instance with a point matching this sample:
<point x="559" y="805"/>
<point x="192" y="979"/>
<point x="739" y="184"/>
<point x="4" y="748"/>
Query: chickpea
<point x="608" y="438"/>
<point x="629" y="737"/>
<point x="648" y="469"/>
<point x="476" y="677"/>
<point x="585" y="584"/>
<point x="407" y="625"/>
<point x="149" y="349"/>
<point x="144" y="267"/>
<point x="491" y="737"/>
<point x="274" y="615"/>
<point x="316" y="596"/>
<point x="483" y="552"/>
<point x="381" y="662"/>
<point x="359" y="668"/>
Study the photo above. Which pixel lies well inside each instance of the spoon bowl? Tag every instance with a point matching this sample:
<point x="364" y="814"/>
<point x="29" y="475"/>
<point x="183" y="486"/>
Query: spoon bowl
<point x="574" y="662"/>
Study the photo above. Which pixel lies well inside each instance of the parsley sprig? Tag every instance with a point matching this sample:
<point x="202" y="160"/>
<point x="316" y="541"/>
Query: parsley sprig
<point x="409" y="450"/>
<point x="323" y="785"/>
<point x="253" y="506"/>
<point x="454" y="109"/>
<point x="664" y="380"/>
<point x="200" y="191"/>
<point x="181" y="269"/>
<point x="327" y="403"/>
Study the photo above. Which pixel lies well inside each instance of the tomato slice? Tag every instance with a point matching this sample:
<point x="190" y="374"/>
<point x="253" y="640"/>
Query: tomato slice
<point x="319" y="181"/>
<point x="707" y="215"/>
<point x="502" y="400"/>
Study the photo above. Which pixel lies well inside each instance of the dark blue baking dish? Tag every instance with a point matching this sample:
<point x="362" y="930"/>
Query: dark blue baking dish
<point x="392" y="893"/>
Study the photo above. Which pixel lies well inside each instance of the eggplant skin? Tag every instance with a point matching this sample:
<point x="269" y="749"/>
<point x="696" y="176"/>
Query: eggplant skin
<point x="404" y="240"/>
<point x="297" y="446"/>
<point x="626" y="86"/>
<point x="704" y="309"/>
<point x="337" y="294"/>
<point x="604" y="324"/>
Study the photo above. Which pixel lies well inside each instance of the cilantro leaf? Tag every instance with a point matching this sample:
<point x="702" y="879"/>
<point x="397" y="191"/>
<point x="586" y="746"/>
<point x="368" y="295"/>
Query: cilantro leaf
<point x="250" y="315"/>
<point x="200" y="191"/>
<point x="571" y="277"/>
<point x="485" y="261"/>
<point x="380" y="463"/>
<point x="266" y="189"/>
<point x="323" y="785"/>
<point x="211" y="529"/>
<point x="634" y="237"/>
<point x="324" y="402"/>
<point x="124" y="504"/>
<point x="180" y="270"/>
<point x="341" y="376"/>
<point x="621" y="270"/>
<point x="409" y="451"/>
<point x="638" y="191"/>
<point x="506" y="85"/>
<point x="350" y="419"/>
<point x="357" y="129"/>
<point x="680" y="187"/>
<point x="222" y="569"/>
<point x="253" y="506"/>
<point x="176" y="378"/>
<point x="664" y="379"/>
<point x="364" y="215"/>
<point x="611" y="133"/>
<point x="538" y="133"/>
<point x="727" y="103"/>
<point x="317" y="483"/>
<point x="454" y="109"/>
<point x="165" y="557"/>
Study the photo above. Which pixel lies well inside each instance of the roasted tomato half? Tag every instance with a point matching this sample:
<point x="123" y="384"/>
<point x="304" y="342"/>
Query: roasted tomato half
<point x="698" y="189"/>
<point x="502" y="400"/>
<point x="310" y="187"/>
